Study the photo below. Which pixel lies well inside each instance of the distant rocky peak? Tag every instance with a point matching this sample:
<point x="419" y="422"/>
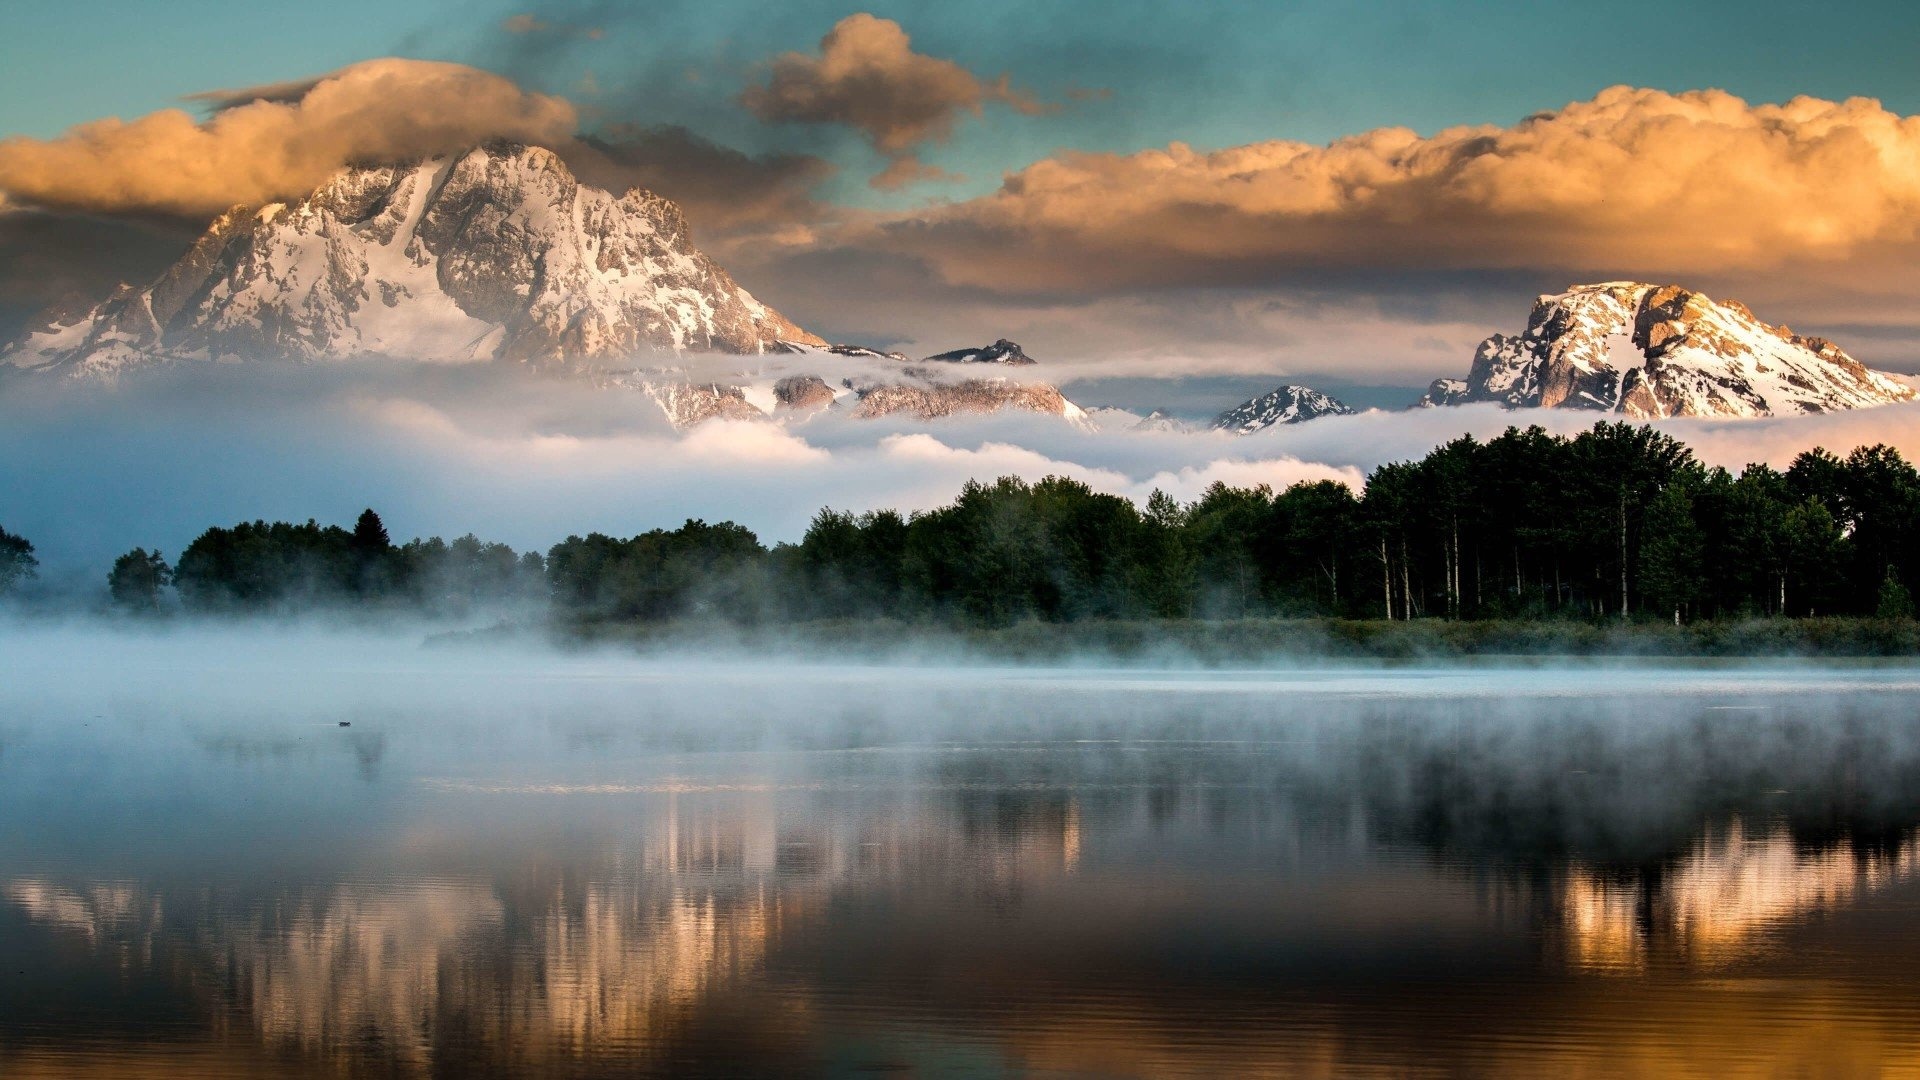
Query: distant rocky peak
<point x="1291" y="404"/>
<point x="1000" y="352"/>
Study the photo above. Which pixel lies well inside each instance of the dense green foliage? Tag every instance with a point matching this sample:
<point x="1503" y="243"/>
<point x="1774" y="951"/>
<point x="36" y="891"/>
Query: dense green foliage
<point x="695" y="569"/>
<point x="260" y="566"/>
<point x="1617" y="521"/>
<point x="1620" y="520"/>
<point x="138" y="580"/>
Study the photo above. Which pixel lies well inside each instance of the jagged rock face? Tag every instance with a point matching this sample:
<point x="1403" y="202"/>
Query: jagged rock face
<point x="1660" y="350"/>
<point x="687" y="404"/>
<point x="803" y="394"/>
<point x="932" y="401"/>
<point x="888" y="383"/>
<point x="1444" y="392"/>
<point x="1287" y="405"/>
<point x="847" y="380"/>
<point x="498" y="253"/>
<point x="928" y="393"/>
<point x="858" y="352"/>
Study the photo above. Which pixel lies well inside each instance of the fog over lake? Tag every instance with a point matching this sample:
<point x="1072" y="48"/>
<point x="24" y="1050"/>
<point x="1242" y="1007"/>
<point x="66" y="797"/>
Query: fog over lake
<point x="512" y="861"/>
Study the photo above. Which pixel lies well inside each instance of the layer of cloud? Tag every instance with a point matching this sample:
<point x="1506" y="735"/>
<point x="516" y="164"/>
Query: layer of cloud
<point x="867" y="77"/>
<point x="1644" y="180"/>
<point x="1384" y="329"/>
<point x="273" y="145"/>
<point x="282" y="140"/>
<point x="905" y="172"/>
<point x="285" y="92"/>
<point x="94" y="471"/>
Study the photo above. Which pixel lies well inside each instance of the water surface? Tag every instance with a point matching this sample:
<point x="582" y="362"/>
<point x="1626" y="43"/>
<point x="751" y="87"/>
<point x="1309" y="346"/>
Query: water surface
<point x="590" y="866"/>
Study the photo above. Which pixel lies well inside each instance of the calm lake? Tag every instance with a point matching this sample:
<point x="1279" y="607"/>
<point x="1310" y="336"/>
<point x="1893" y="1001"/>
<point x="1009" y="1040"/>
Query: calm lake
<point x="587" y="866"/>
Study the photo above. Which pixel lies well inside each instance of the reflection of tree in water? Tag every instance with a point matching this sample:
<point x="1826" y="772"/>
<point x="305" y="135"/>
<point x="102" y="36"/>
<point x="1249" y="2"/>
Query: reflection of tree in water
<point x="1618" y="792"/>
<point x="368" y="750"/>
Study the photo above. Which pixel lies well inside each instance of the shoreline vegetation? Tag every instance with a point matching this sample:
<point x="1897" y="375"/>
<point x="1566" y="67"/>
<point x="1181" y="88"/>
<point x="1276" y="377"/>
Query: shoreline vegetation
<point x="1615" y="542"/>
<point x="1252" y="642"/>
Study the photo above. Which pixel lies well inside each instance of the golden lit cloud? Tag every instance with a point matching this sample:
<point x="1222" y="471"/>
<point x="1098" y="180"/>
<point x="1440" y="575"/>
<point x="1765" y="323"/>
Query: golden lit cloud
<point x="276" y="142"/>
<point x="1700" y="182"/>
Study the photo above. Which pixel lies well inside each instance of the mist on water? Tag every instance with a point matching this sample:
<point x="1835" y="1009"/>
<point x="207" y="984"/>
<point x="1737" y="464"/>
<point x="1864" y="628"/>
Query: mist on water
<point x="1634" y="739"/>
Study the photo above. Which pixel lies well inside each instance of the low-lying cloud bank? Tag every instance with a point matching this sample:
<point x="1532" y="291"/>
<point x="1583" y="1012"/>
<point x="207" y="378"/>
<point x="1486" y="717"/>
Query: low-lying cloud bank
<point x="90" y="472"/>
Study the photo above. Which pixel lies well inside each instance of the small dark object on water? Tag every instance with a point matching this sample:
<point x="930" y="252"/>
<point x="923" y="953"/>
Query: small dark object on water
<point x="346" y="723"/>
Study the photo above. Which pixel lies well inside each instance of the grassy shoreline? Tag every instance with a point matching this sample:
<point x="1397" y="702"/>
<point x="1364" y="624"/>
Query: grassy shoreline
<point x="1186" y="642"/>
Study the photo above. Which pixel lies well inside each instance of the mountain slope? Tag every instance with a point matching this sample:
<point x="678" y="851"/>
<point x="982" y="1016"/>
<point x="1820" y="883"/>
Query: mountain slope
<point x="497" y="253"/>
<point x="1661" y="350"/>
<point x="1287" y="405"/>
<point x="869" y="383"/>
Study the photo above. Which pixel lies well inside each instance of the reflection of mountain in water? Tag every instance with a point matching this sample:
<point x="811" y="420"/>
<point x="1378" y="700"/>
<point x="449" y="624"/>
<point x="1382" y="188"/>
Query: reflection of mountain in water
<point x="319" y="970"/>
<point x="105" y="912"/>
<point x="1717" y="899"/>
<point x="597" y="960"/>
<point x="611" y="957"/>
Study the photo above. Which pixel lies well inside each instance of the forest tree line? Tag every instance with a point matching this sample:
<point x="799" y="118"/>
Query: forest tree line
<point x="1619" y="521"/>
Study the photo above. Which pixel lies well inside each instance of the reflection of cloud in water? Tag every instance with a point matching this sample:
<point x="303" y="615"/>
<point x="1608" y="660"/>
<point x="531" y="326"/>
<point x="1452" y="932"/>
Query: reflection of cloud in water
<point x="1712" y="906"/>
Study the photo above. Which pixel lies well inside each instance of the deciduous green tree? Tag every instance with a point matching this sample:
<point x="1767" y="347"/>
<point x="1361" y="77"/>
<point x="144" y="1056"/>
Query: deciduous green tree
<point x="138" y="579"/>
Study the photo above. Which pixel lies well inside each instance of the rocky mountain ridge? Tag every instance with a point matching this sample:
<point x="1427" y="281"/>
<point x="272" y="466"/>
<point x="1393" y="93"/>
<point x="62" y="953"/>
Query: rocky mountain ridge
<point x="894" y="387"/>
<point x="497" y="253"/>
<point x="1650" y="351"/>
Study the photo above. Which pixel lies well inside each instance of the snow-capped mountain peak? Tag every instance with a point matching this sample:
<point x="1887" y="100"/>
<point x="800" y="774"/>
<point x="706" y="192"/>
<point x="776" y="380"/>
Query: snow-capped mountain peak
<point x="1661" y="350"/>
<point x="496" y="253"/>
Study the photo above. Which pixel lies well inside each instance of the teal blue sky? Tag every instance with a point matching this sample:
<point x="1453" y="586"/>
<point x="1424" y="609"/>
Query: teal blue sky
<point x="1208" y="74"/>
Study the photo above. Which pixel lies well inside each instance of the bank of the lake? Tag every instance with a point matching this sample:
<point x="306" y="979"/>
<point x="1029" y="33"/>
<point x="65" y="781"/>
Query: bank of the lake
<point x="1258" y="641"/>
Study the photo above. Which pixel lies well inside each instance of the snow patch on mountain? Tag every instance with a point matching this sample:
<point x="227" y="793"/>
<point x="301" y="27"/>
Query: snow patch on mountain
<point x="1287" y="405"/>
<point x="1651" y="351"/>
<point x="497" y="253"/>
<point x="891" y="384"/>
